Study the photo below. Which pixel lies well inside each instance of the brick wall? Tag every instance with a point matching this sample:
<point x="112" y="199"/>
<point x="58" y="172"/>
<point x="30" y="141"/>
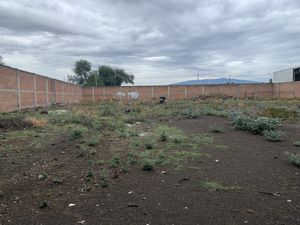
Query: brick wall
<point x="178" y="92"/>
<point x="20" y="89"/>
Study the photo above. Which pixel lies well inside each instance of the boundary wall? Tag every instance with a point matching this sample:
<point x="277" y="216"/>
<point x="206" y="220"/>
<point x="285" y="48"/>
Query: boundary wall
<point x="21" y="89"/>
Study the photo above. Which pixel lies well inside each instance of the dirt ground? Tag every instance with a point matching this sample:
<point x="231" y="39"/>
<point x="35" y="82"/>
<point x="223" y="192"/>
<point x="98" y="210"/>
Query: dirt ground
<point x="268" y="190"/>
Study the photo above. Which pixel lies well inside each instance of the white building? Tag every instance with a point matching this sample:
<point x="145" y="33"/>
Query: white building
<point x="287" y="75"/>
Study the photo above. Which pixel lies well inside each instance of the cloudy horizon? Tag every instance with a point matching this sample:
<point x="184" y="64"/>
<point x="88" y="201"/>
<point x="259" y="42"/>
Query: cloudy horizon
<point x="160" y="42"/>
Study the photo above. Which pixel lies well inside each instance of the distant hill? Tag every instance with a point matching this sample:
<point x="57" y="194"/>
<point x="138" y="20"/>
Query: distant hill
<point x="215" y="81"/>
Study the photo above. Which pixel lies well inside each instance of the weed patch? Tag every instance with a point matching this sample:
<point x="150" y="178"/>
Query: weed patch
<point x="216" y="186"/>
<point x="294" y="159"/>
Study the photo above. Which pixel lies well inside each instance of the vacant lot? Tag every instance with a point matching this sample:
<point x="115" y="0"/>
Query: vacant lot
<point x="203" y="161"/>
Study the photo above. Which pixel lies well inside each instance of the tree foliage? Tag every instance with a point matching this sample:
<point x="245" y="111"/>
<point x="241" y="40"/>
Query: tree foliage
<point x="1" y="60"/>
<point x="103" y="76"/>
<point x="82" y="69"/>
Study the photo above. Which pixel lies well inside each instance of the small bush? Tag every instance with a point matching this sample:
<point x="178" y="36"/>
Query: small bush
<point x="215" y="128"/>
<point x="163" y="136"/>
<point x="149" y="145"/>
<point x="77" y="132"/>
<point x="115" y="161"/>
<point x="273" y="135"/>
<point x="104" y="182"/>
<point x="255" y="125"/>
<point x="282" y="113"/>
<point x="92" y="141"/>
<point x="190" y="113"/>
<point x="294" y="159"/>
<point x="37" y="122"/>
<point x="148" y="164"/>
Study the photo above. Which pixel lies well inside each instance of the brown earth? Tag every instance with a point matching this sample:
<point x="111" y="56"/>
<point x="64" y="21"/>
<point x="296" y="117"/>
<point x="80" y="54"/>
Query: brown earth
<point x="269" y="185"/>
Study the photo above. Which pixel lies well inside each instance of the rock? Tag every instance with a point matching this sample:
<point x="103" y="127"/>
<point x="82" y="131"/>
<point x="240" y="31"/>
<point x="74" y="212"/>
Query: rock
<point x="43" y="204"/>
<point x="250" y="211"/>
<point x="72" y="205"/>
<point x="217" y="161"/>
<point x="289" y="200"/>
<point x="2" y="136"/>
<point x="163" y="172"/>
<point x="42" y="177"/>
<point x="133" y="205"/>
<point x="81" y="222"/>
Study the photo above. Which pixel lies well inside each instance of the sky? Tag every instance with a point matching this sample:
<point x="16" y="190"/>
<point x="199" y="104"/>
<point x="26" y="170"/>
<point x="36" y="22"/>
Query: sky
<point x="159" y="41"/>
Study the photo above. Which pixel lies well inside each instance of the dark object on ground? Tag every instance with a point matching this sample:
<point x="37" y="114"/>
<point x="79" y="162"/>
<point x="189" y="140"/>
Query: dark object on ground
<point x="162" y="99"/>
<point x="44" y="112"/>
<point x="127" y="110"/>
<point x="43" y="204"/>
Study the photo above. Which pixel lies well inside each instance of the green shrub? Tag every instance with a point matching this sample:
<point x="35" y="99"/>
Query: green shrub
<point x="148" y="164"/>
<point x="115" y="161"/>
<point x="163" y="136"/>
<point x="280" y="113"/>
<point x="190" y="113"/>
<point x="215" y="128"/>
<point x="104" y="181"/>
<point x="149" y="145"/>
<point x="77" y="132"/>
<point x="255" y="125"/>
<point x="273" y="135"/>
<point x="294" y="159"/>
<point x="92" y="141"/>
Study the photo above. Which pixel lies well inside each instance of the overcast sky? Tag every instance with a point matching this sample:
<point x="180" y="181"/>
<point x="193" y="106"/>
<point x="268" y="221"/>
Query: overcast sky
<point x="159" y="41"/>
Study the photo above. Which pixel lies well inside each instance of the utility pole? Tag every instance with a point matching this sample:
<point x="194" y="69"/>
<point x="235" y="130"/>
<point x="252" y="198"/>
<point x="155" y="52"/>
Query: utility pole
<point x="229" y="79"/>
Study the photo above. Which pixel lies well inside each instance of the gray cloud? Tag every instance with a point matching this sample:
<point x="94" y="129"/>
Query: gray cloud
<point x="159" y="41"/>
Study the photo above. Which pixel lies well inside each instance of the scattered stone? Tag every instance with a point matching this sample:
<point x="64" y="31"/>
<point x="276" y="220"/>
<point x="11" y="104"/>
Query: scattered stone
<point x="289" y="200"/>
<point x="130" y="192"/>
<point x="43" y="204"/>
<point x="72" y="205"/>
<point x="129" y="125"/>
<point x="217" y="161"/>
<point x="133" y="205"/>
<point x="184" y="179"/>
<point x="269" y="193"/>
<point x="143" y="134"/>
<point x="250" y="211"/>
<point x="163" y="172"/>
<point x="57" y="180"/>
<point x="186" y="207"/>
<point x="138" y="123"/>
<point x="42" y="177"/>
<point x="2" y="136"/>
<point x="81" y="222"/>
<point x="92" y="152"/>
<point x="143" y="197"/>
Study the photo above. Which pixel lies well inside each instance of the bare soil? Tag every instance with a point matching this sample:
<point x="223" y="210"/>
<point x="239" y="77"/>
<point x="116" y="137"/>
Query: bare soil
<point x="269" y="186"/>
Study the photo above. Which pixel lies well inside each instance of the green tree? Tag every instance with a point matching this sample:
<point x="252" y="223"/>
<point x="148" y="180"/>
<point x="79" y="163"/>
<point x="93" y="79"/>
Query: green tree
<point x="82" y="69"/>
<point x="104" y="76"/>
<point x="1" y="60"/>
<point x="114" y="76"/>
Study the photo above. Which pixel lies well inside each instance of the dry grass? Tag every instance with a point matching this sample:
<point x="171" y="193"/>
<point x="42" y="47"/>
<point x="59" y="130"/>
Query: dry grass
<point x="37" y="122"/>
